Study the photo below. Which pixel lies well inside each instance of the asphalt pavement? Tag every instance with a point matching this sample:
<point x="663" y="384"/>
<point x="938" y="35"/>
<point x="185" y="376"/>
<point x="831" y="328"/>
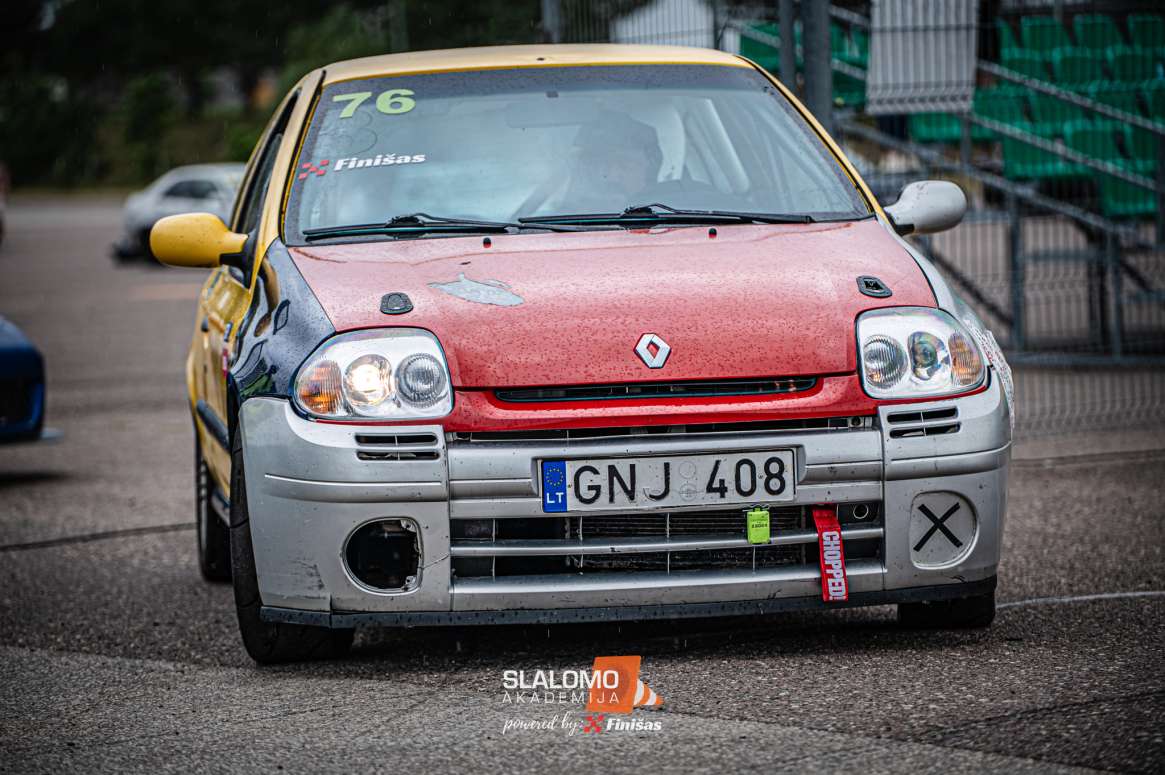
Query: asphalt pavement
<point x="116" y="656"/>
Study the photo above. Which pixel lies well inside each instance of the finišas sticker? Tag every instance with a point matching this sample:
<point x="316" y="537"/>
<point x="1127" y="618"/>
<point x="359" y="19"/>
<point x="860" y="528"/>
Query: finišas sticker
<point x="321" y="168"/>
<point x="379" y="160"/>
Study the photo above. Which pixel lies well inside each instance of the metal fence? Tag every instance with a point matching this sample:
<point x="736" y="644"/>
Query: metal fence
<point x="1057" y="149"/>
<point x="1054" y="125"/>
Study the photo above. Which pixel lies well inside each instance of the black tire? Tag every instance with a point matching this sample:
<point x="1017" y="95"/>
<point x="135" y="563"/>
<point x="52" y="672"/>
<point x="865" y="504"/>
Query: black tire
<point x="214" y="537"/>
<point x="963" y="613"/>
<point x="269" y="642"/>
<point x="144" y="251"/>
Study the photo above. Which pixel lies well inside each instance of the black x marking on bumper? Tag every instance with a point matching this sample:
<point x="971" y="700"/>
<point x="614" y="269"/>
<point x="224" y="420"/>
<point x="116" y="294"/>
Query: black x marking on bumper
<point x="938" y="526"/>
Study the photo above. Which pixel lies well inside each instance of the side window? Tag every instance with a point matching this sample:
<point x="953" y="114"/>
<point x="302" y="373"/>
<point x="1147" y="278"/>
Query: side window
<point x="252" y="206"/>
<point x="192" y="189"/>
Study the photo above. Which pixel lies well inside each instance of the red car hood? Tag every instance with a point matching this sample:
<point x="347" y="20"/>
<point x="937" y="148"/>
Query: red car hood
<point x="569" y="308"/>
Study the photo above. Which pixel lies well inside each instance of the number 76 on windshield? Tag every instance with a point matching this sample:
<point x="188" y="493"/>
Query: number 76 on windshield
<point x="392" y="102"/>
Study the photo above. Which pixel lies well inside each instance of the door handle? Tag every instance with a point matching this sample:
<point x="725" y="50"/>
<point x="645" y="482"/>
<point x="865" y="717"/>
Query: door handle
<point x="205" y="325"/>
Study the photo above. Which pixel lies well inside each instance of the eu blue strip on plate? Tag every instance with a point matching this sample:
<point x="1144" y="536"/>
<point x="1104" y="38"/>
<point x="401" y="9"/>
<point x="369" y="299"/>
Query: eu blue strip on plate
<point x="553" y="485"/>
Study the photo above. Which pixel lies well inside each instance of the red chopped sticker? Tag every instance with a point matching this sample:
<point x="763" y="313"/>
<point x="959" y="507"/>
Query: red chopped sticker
<point x="310" y="167"/>
<point x="834" y="585"/>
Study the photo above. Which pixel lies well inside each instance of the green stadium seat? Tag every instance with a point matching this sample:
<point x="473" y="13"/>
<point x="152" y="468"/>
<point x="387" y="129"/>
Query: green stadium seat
<point x="1025" y="62"/>
<point x="1043" y="34"/>
<point x="1096" y="139"/>
<point x="1142" y="147"/>
<point x="1120" y="199"/>
<point x="1147" y="30"/>
<point x="838" y="41"/>
<point x="1131" y="64"/>
<point x="1001" y="104"/>
<point x="1116" y="95"/>
<point x="1073" y="67"/>
<point x="848" y="92"/>
<point x="1023" y="161"/>
<point x="852" y="48"/>
<point x="1052" y="112"/>
<point x="1096" y="31"/>
<point x="1007" y="41"/>
<point x="1155" y="99"/>
<point x="765" y="55"/>
<point x="861" y="39"/>
<point x="936" y="128"/>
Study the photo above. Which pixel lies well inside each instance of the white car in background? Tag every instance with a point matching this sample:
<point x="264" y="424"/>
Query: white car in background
<point x="205" y="188"/>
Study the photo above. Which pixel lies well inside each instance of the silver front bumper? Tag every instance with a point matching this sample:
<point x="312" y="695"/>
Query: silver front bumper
<point x="310" y="485"/>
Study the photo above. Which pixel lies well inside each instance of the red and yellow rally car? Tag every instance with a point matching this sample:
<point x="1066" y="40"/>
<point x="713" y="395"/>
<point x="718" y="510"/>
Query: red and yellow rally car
<point x="569" y="333"/>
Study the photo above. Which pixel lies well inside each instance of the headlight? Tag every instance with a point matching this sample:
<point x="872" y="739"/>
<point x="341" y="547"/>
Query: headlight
<point x="394" y="374"/>
<point x="912" y="352"/>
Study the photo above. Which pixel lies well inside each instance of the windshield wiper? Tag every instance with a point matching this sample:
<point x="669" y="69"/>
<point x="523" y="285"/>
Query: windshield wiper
<point x="661" y="213"/>
<point x="413" y="223"/>
<point x="423" y="223"/>
<point x="661" y="210"/>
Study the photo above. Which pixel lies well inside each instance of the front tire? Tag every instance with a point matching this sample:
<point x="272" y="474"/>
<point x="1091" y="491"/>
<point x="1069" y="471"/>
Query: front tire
<point x="214" y="537"/>
<point x="964" y="613"/>
<point x="145" y="253"/>
<point x="269" y="642"/>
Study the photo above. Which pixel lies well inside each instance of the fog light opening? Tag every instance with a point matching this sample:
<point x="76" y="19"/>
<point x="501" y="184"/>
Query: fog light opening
<point x="385" y="555"/>
<point x="861" y="512"/>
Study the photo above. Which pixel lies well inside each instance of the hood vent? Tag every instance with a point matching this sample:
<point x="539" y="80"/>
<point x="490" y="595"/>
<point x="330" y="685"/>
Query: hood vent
<point x="395" y="303"/>
<point x="650" y="390"/>
<point x="872" y="286"/>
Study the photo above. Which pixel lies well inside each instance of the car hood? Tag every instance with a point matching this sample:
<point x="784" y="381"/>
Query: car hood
<point x="569" y="308"/>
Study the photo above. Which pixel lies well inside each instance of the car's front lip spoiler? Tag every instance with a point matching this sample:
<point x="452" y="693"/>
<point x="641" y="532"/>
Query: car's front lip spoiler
<point x="345" y="620"/>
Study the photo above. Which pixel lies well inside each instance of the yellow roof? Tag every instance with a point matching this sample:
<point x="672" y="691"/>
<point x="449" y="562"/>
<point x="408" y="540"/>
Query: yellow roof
<point x="496" y="57"/>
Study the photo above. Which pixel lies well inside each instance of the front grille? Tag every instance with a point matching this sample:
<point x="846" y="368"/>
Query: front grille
<point x="15" y="400"/>
<point x="630" y="543"/>
<point x="747" y="558"/>
<point x="575" y="434"/>
<point x="730" y="523"/>
<point x="646" y="390"/>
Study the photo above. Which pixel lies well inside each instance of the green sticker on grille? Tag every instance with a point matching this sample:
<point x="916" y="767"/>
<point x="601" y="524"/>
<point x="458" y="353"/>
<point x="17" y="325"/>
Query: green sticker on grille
<point x="758" y="526"/>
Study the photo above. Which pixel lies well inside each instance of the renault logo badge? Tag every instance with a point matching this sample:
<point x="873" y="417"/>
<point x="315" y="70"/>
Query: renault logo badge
<point x="653" y="351"/>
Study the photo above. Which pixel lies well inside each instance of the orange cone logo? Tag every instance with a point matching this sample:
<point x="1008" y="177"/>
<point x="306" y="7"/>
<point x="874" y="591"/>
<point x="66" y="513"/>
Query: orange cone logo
<point x="627" y="692"/>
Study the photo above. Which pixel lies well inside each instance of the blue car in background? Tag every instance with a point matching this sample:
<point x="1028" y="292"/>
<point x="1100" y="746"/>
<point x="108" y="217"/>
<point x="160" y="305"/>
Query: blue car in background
<point x="22" y="386"/>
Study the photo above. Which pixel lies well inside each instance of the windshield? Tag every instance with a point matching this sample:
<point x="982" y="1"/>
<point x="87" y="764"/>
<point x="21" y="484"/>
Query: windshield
<point x="500" y="145"/>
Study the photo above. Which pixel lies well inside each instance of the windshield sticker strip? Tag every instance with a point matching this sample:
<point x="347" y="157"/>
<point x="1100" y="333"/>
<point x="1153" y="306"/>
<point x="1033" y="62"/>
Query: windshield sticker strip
<point x="378" y="160"/>
<point x="343" y="165"/>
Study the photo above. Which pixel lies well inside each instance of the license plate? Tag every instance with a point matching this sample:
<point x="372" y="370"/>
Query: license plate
<point x="667" y="482"/>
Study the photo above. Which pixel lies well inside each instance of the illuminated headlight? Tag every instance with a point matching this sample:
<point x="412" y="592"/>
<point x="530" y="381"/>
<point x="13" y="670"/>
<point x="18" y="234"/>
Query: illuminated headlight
<point x="386" y="374"/>
<point x="913" y="352"/>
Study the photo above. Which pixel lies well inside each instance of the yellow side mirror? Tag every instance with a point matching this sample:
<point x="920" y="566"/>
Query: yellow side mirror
<point x="194" y="239"/>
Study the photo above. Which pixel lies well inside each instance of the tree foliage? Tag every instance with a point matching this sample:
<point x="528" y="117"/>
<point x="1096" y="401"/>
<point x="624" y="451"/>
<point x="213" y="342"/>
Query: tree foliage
<point x="94" y="90"/>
